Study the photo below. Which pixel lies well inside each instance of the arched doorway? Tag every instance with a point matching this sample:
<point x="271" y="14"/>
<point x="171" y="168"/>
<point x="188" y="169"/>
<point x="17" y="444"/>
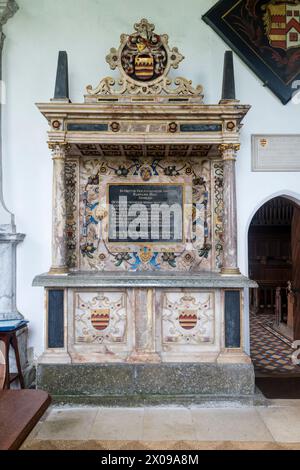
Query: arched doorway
<point x="274" y="262"/>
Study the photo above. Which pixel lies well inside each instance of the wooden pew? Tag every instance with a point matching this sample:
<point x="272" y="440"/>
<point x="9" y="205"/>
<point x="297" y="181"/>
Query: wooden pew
<point x="20" y="411"/>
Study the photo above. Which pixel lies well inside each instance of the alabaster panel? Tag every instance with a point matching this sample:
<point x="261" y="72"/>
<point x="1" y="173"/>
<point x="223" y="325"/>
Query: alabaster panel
<point x="100" y="317"/>
<point x="100" y="325"/>
<point x="87" y="182"/>
<point x="191" y="325"/>
<point x="188" y="318"/>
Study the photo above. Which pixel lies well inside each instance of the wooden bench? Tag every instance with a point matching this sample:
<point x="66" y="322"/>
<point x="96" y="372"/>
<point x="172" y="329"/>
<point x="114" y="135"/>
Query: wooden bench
<point x="20" y="411"/>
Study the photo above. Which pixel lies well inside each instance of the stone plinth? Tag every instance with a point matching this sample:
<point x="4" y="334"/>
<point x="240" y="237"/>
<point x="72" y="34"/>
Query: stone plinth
<point x="134" y="384"/>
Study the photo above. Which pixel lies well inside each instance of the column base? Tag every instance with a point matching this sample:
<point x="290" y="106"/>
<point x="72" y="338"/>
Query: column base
<point x="57" y="271"/>
<point x="233" y="357"/>
<point x="231" y="271"/>
<point x="55" y="357"/>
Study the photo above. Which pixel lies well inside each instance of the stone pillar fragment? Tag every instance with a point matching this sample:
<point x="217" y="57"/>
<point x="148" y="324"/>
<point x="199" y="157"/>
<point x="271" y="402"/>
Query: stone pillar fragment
<point x="230" y="263"/>
<point x="8" y="246"/>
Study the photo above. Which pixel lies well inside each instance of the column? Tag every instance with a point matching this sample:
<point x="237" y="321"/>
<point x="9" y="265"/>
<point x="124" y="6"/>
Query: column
<point x="230" y="264"/>
<point x="59" y="218"/>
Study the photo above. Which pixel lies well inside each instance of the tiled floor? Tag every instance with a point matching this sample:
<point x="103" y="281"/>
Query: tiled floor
<point x="270" y="352"/>
<point x="274" y="426"/>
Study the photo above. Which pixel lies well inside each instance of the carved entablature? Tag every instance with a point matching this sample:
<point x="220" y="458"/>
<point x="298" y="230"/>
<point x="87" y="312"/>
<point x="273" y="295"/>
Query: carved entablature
<point x="144" y="60"/>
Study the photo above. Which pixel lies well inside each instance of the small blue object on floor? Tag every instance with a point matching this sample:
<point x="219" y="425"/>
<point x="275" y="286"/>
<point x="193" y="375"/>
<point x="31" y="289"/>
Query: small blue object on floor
<point x="11" y="325"/>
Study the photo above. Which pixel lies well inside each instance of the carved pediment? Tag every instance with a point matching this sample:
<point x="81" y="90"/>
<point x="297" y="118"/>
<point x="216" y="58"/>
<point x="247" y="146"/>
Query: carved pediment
<point x="144" y="60"/>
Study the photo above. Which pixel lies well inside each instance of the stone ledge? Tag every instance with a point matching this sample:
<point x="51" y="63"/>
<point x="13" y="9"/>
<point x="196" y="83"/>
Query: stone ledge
<point x="144" y="279"/>
<point x="161" y="383"/>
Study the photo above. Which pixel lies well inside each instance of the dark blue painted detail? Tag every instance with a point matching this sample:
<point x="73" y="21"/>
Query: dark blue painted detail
<point x="200" y="127"/>
<point x="87" y="127"/>
<point x="232" y="319"/>
<point x="55" y="319"/>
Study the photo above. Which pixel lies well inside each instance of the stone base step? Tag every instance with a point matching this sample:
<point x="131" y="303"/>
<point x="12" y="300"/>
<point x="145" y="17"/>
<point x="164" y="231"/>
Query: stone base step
<point x="153" y="384"/>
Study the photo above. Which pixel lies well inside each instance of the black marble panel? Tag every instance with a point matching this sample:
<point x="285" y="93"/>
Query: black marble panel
<point x="74" y="127"/>
<point x="200" y="127"/>
<point x="232" y="319"/>
<point x="161" y="213"/>
<point x="56" y="318"/>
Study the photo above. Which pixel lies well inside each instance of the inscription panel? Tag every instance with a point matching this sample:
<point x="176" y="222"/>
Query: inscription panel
<point x="146" y="213"/>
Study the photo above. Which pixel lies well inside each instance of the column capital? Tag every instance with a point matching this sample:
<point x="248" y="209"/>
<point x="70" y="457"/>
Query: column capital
<point x="228" y="151"/>
<point x="59" y="150"/>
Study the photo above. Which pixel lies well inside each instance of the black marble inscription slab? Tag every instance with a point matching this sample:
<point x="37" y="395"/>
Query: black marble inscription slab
<point x="56" y="318"/>
<point x="200" y="128"/>
<point x="87" y="127"/>
<point x="232" y="319"/>
<point x="158" y="218"/>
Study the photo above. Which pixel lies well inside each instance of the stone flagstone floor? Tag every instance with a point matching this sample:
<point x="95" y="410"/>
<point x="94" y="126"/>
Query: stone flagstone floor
<point x="276" y="426"/>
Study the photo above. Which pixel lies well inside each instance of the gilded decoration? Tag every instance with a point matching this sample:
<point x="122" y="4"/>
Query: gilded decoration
<point x="188" y="318"/>
<point x="100" y="317"/>
<point x="144" y="60"/>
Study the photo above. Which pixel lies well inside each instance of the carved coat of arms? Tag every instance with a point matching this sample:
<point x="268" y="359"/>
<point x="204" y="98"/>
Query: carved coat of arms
<point x="144" y="56"/>
<point x="144" y="60"/>
<point x="188" y="319"/>
<point x="100" y="318"/>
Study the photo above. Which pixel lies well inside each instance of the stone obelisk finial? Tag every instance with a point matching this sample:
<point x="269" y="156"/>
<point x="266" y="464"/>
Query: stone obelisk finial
<point x="61" y="92"/>
<point x="228" y="88"/>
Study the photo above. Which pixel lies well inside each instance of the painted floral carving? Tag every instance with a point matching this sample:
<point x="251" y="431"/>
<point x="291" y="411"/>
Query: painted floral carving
<point x="218" y="213"/>
<point x="204" y="252"/>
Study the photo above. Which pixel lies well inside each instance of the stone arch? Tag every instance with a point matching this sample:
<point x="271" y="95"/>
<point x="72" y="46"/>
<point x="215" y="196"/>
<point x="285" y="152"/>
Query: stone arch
<point x="291" y="195"/>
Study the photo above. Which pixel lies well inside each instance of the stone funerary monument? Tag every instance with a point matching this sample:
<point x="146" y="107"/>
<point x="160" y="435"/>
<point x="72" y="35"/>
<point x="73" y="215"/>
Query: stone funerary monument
<point x="144" y="298"/>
